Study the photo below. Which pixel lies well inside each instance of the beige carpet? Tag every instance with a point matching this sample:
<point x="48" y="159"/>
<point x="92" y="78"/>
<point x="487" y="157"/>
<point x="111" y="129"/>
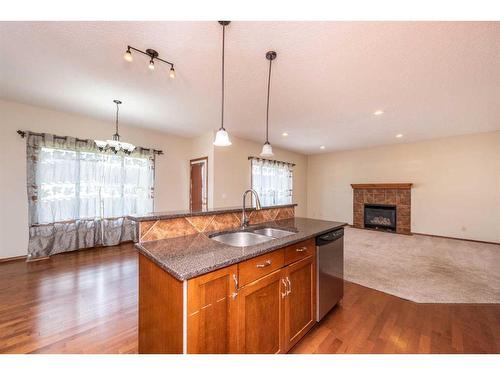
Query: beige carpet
<point x="423" y="268"/>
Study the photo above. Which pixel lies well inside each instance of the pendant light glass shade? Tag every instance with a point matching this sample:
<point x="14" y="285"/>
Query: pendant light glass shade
<point x="267" y="150"/>
<point x="222" y="138"/>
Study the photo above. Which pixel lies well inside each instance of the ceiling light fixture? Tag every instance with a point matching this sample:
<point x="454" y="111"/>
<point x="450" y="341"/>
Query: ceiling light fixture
<point x="114" y="144"/>
<point x="378" y="112"/>
<point x="322" y="147"/>
<point x="399" y="135"/>
<point x="153" y="55"/>
<point x="267" y="149"/>
<point x="285" y="134"/>
<point x="221" y="137"/>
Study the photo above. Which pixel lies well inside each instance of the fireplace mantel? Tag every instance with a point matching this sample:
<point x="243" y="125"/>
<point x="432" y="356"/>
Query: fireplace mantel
<point x="382" y="186"/>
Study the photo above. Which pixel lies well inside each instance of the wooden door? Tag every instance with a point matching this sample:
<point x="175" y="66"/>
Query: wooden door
<point x="212" y="312"/>
<point x="300" y="300"/>
<point x="196" y="186"/>
<point x="260" y="315"/>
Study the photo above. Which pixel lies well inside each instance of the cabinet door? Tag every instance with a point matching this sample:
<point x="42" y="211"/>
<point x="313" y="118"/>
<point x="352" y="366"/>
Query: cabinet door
<point x="260" y="315"/>
<point x="212" y="312"/>
<point x="300" y="300"/>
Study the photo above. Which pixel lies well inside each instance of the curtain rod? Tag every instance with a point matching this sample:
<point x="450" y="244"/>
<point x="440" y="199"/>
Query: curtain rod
<point x="274" y="161"/>
<point x="23" y="133"/>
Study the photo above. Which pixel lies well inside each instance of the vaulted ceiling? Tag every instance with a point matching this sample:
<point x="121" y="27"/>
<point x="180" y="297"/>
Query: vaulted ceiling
<point x="431" y="79"/>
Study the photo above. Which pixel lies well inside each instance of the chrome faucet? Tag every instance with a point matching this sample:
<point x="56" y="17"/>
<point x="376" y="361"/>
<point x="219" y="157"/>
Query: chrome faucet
<point x="244" y="219"/>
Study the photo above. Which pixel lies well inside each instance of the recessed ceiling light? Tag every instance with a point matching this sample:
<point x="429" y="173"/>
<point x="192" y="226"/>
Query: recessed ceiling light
<point x="322" y="147"/>
<point x="285" y="134"/>
<point x="378" y="112"/>
<point x="399" y="135"/>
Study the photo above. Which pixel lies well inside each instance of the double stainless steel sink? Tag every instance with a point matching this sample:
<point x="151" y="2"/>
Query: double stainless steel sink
<point x="250" y="237"/>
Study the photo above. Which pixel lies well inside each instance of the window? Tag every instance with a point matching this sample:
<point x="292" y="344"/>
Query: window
<point x="272" y="180"/>
<point x="86" y="185"/>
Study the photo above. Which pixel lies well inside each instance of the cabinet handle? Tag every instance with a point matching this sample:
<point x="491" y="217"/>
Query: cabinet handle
<point x="289" y="286"/>
<point x="301" y="249"/>
<point x="283" y="295"/>
<point x="235" y="293"/>
<point x="265" y="264"/>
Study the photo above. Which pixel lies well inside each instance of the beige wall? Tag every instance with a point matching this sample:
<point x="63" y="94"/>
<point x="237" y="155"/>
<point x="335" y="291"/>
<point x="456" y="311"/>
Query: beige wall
<point x="232" y="173"/>
<point x="456" y="183"/>
<point x="172" y="178"/>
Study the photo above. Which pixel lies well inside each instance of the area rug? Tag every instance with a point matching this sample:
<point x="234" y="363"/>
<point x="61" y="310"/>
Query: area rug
<point x="422" y="268"/>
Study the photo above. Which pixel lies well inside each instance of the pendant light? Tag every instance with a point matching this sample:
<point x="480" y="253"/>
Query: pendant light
<point x="114" y="144"/>
<point x="267" y="149"/>
<point x="222" y="138"/>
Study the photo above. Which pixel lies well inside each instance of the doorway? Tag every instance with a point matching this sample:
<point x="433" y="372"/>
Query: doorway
<point x="198" y="195"/>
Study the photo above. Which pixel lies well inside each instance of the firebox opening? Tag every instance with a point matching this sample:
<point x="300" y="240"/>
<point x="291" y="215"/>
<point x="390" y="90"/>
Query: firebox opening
<point x="380" y="216"/>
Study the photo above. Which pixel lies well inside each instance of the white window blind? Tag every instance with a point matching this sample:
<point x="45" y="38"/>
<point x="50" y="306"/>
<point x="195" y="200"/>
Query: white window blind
<point x="84" y="185"/>
<point x="273" y="181"/>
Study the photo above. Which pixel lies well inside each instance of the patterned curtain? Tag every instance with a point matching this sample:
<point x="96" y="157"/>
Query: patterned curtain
<point x="273" y="181"/>
<point x="79" y="197"/>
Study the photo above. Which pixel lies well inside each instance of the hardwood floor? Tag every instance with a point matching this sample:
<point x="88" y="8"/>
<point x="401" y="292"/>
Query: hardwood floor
<point x="86" y="302"/>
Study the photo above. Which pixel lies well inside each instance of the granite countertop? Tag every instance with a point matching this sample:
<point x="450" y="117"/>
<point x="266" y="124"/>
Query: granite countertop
<point x="190" y="256"/>
<point x="189" y="213"/>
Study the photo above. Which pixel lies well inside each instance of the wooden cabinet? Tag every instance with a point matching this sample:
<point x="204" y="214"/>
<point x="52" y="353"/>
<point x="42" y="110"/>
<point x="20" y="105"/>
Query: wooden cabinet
<point x="300" y="301"/>
<point x="262" y="305"/>
<point x="299" y="251"/>
<point x="212" y="312"/>
<point x="260" y="315"/>
<point x="255" y="268"/>
<point x="277" y="310"/>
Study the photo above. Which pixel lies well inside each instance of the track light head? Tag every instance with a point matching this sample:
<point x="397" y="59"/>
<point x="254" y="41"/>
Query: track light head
<point x="128" y="55"/>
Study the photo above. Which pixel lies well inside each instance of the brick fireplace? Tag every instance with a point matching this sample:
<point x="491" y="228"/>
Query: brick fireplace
<point x="383" y="197"/>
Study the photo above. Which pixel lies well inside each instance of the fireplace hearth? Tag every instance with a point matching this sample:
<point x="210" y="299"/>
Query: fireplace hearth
<point x="380" y="216"/>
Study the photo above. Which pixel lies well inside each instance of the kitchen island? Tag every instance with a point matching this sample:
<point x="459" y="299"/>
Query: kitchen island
<point x="200" y="295"/>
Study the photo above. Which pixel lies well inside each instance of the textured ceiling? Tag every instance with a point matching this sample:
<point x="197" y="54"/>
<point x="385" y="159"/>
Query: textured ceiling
<point x="432" y="79"/>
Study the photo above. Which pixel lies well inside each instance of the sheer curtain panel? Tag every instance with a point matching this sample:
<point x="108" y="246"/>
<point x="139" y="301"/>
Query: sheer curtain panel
<point x="79" y="197"/>
<point x="272" y="180"/>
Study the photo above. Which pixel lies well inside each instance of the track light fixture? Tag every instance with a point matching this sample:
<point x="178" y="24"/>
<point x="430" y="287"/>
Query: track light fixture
<point x="153" y="55"/>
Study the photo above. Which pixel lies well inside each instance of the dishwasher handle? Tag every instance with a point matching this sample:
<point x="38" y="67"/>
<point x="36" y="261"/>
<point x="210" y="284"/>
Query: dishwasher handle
<point x="326" y="238"/>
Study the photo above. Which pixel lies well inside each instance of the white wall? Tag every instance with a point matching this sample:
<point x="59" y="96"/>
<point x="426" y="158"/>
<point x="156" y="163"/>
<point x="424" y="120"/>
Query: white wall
<point x="232" y="173"/>
<point x="172" y="169"/>
<point x="456" y="181"/>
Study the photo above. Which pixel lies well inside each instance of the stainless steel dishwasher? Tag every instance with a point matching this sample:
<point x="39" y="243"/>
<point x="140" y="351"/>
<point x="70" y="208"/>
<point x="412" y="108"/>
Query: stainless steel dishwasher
<point x="330" y="271"/>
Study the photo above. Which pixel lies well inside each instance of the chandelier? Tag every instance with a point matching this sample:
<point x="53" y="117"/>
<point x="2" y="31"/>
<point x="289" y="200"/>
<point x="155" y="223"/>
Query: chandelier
<point x="115" y="144"/>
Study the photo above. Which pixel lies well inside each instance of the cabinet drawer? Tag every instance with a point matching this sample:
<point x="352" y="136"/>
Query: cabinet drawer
<point x="255" y="268"/>
<point x="299" y="251"/>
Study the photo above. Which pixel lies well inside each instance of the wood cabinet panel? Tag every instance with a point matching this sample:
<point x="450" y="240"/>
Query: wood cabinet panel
<point x="160" y="310"/>
<point x="261" y="315"/>
<point x="212" y="312"/>
<point x="255" y="268"/>
<point x="300" y="300"/>
<point x="299" y="251"/>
